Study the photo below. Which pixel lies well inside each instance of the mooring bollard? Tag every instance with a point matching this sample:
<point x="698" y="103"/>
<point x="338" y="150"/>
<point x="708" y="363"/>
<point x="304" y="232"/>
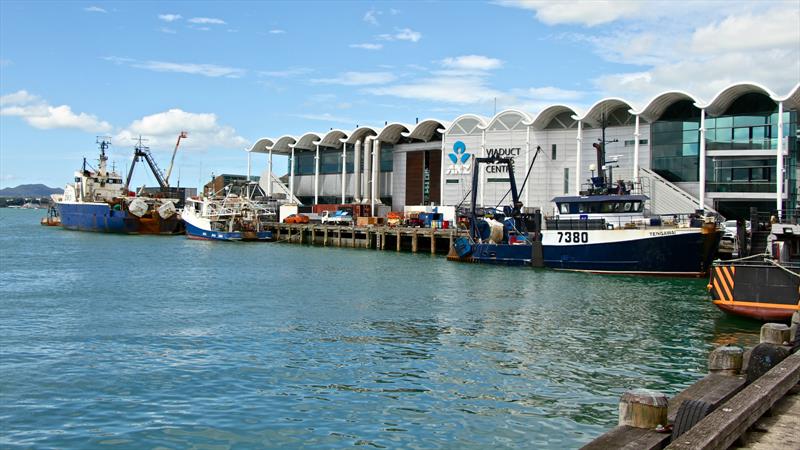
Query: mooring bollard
<point x="793" y="335"/>
<point x="643" y="408"/>
<point x="726" y="360"/>
<point x="775" y="333"/>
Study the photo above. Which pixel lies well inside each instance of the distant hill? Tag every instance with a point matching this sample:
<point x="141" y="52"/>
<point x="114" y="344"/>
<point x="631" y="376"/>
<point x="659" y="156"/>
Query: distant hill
<point x="29" y="190"/>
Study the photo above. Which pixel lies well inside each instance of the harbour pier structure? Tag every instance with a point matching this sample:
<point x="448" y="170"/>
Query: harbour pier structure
<point x="749" y="399"/>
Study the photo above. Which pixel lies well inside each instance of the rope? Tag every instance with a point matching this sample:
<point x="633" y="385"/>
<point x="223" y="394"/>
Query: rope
<point x="785" y="269"/>
<point x="748" y="257"/>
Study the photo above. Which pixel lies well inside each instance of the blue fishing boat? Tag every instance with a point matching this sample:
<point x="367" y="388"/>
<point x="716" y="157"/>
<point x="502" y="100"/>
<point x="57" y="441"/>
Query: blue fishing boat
<point x="239" y="212"/>
<point x="99" y="201"/>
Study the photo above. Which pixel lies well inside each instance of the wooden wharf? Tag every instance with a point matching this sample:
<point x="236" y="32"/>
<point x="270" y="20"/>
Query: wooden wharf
<point x="376" y="237"/>
<point x="749" y="400"/>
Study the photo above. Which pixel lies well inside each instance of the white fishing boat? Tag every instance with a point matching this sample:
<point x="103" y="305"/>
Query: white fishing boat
<point x="239" y="212"/>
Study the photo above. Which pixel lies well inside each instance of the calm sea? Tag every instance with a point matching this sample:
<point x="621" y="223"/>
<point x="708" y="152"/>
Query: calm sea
<point x="162" y="342"/>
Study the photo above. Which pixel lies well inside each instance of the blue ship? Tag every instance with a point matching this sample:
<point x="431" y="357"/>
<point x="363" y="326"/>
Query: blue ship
<point x="99" y="201"/>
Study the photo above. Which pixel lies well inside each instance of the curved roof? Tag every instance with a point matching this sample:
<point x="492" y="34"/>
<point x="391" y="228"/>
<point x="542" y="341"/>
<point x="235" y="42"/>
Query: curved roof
<point x="426" y="130"/>
<point x="361" y="134"/>
<point x="656" y="107"/>
<point x="467" y="123"/>
<point x="545" y="116"/>
<point x="723" y="100"/>
<point x="333" y="138"/>
<point x="510" y="118"/>
<point x="594" y="115"/>
<point x="393" y="132"/>
<point x="792" y="99"/>
<point x="307" y="141"/>
<point x="283" y="144"/>
<point x="262" y="145"/>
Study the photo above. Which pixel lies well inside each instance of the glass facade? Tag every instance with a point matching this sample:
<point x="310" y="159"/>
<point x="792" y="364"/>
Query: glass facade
<point x="675" y="142"/>
<point x="737" y="174"/>
<point x="330" y="160"/>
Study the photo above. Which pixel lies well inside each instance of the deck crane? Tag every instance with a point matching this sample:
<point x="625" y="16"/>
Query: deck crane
<point x="183" y="135"/>
<point x="141" y="151"/>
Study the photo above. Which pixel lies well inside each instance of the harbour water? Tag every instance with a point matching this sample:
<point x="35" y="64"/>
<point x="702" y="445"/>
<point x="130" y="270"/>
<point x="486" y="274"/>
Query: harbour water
<point x="150" y="341"/>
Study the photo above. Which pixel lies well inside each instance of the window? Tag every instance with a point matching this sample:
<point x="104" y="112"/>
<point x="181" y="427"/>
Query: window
<point x="554" y="152"/>
<point x="566" y="180"/>
<point x="564" y="208"/>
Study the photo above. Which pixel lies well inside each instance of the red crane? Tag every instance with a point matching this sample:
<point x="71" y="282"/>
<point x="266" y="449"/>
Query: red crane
<point x="183" y="135"/>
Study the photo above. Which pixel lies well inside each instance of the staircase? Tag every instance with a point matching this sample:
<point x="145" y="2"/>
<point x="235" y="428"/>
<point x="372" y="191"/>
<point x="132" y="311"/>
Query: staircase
<point x="665" y="197"/>
<point x="279" y="188"/>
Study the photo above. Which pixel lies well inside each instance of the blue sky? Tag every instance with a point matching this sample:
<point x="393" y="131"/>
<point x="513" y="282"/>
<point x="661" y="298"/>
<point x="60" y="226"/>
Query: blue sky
<point x="232" y="72"/>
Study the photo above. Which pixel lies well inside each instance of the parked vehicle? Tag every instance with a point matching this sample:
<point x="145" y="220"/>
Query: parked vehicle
<point x="339" y="217"/>
<point x="296" y="218"/>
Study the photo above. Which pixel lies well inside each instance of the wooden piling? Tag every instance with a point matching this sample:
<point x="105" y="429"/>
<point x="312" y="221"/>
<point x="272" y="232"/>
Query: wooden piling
<point x="313" y="235"/>
<point x="726" y="360"/>
<point x="353" y="238"/>
<point x="433" y="241"/>
<point x="398" y="240"/>
<point x="325" y="236"/>
<point x="775" y="333"/>
<point x="414" y="242"/>
<point x="339" y="237"/>
<point x="383" y="240"/>
<point x="643" y="408"/>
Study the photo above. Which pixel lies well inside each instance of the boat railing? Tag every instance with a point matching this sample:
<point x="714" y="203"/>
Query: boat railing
<point x="626" y="222"/>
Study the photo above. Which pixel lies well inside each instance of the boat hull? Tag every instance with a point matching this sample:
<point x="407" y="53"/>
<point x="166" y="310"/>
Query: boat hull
<point x="674" y="252"/>
<point x="101" y="218"/>
<point x="756" y="290"/>
<point x="198" y="233"/>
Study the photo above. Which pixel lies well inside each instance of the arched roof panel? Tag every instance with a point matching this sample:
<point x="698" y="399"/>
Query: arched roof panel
<point x="467" y="124"/>
<point x="393" y="132"/>
<point x="509" y="118"/>
<point x="361" y="134"/>
<point x="792" y="99"/>
<point x="725" y="98"/>
<point x="426" y="130"/>
<point x="656" y="107"/>
<point x="308" y="141"/>
<point x="545" y="116"/>
<point x="262" y="145"/>
<point x="594" y="115"/>
<point x="333" y="138"/>
<point x="283" y="144"/>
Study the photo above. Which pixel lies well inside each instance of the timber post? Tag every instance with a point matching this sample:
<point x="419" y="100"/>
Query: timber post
<point x="433" y="241"/>
<point x="726" y="360"/>
<point x="643" y="408"/>
<point x="325" y="236"/>
<point x="775" y="333"/>
<point x="414" y="242"/>
<point x="398" y="240"/>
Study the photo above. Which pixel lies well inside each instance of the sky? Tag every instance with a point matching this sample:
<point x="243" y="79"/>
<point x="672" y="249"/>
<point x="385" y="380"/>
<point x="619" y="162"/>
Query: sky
<point x="230" y="73"/>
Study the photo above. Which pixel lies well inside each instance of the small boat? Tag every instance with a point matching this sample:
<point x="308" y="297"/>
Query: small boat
<point x="764" y="286"/>
<point x="239" y="212"/>
<point x="99" y="201"/>
<point x="52" y="219"/>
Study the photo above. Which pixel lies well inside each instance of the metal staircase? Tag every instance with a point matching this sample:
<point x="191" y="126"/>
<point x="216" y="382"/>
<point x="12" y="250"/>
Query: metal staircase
<point x="665" y="197"/>
<point x="279" y="187"/>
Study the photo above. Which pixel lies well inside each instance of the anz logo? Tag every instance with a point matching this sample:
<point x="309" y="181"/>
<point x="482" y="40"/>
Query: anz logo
<point x="461" y="160"/>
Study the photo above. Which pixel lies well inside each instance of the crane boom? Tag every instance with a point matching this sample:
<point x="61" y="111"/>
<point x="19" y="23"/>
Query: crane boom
<point x="183" y="135"/>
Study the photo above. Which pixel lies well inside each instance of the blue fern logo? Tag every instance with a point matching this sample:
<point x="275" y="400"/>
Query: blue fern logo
<point x="459" y="153"/>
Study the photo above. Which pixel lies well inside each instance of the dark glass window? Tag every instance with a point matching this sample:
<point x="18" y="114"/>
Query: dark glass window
<point x="554" y="152"/>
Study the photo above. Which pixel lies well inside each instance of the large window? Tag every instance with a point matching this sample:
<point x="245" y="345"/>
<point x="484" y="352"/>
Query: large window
<point x="740" y="175"/>
<point x="675" y="142"/>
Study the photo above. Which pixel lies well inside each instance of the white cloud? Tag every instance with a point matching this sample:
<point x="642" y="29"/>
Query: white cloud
<point x="162" y="128"/>
<point x="326" y="117"/>
<point x="96" y="9"/>
<point x="207" y="20"/>
<point x="367" y="46"/>
<point x="776" y="28"/>
<point x="358" y="78"/>
<point x="589" y="13"/>
<point x="290" y="72"/>
<point x="277" y="31"/>
<point x="167" y="30"/>
<point x="443" y="88"/>
<point x="472" y="62"/>
<point x="208" y="70"/>
<point x="551" y="93"/>
<point x="169" y="17"/>
<point x="37" y="113"/>
<point x="402" y="34"/>
<point x="371" y="17"/>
